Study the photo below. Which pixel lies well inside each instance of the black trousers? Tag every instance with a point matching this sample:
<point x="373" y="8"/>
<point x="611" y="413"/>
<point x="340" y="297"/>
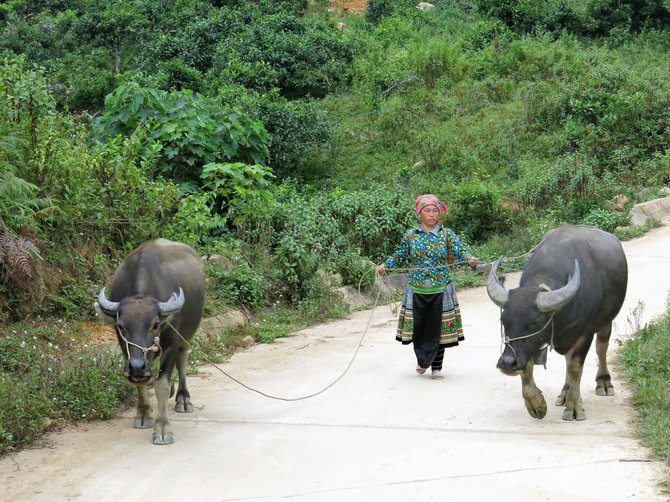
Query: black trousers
<point x="427" y="311"/>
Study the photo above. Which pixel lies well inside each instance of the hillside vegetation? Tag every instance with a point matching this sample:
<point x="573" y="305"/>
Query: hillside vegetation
<point x="290" y="142"/>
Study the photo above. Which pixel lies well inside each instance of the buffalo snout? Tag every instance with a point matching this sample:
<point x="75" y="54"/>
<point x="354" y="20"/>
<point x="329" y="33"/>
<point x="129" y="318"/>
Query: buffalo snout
<point x="509" y="363"/>
<point x="137" y="369"/>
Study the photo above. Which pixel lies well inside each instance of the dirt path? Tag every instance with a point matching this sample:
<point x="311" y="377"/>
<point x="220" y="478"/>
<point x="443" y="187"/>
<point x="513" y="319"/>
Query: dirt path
<point x="349" y="5"/>
<point x="381" y="433"/>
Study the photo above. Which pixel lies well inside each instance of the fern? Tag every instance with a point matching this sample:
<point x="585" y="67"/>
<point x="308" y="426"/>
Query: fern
<point x="18" y="199"/>
<point x="16" y="257"/>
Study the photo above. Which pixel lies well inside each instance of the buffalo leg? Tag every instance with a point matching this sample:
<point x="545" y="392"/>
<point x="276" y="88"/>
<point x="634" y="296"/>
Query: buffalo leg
<point x="183" y="399"/>
<point x="143" y="418"/>
<point x="162" y="432"/>
<point x="532" y="396"/>
<point x="604" y="385"/>
<point x="560" y="400"/>
<point x="574" y="408"/>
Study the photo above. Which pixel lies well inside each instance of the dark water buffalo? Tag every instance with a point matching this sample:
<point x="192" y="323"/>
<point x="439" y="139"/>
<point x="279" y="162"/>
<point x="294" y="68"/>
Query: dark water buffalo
<point x="573" y="286"/>
<point x="156" y="294"/>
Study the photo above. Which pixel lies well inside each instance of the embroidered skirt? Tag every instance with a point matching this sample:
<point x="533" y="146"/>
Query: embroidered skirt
<point x="451" y="327"/>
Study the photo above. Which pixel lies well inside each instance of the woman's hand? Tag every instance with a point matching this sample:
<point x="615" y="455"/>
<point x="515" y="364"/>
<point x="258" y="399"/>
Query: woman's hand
<point x="381" y="270"/>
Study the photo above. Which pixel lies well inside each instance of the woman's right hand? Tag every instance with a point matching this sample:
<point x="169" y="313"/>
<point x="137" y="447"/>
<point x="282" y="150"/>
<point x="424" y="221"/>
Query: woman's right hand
<point x="381" y="270"/>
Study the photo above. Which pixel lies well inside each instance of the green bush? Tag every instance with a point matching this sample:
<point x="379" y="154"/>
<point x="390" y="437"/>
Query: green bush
<point x="23" y="416"/>
<point x="356" y="270"/>
<point x="278" y="51"/>
<point x="243" y="285"/>
<point x="477" y="212"/>
<point x="605" y="219"/>
<point x="92" y="386"/>
<point x="186" y="129"/>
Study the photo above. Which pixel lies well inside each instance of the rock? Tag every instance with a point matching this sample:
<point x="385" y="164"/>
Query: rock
<point x="353" y="298"/>
<point x="425" y="6"/>
<point x="666" y="190"/>
<point x="619" y="202"/>
<point x="248" y="341"/>
<point x="213" y="326"/>
<point x="658" y="209"/>
<point x="391" y="287"/>
<point x="224" y="262"/>
<point x="419" y="165"/>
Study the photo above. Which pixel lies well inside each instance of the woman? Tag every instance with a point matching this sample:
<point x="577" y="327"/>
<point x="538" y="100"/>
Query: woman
<point x="430" y="317"/>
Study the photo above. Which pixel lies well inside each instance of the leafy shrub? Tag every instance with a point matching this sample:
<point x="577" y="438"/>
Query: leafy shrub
<point x="297" y="130"/>
<point x="605" y="219"/>
<point x="243" y="285"/>
<point x="285" y="45"/>
<point x="297" y="265"/>
<point x="355" y="269"/>
<point x="238" y="190"/>
<point x="188" y="129"/>
<point x="378" y="9"/>
<point x="564" y="179"/>
<point x="477" y="212"/>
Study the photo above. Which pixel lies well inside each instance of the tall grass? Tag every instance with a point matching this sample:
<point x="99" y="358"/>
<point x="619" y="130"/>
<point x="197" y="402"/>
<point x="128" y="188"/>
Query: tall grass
<point x="645" y="360"/>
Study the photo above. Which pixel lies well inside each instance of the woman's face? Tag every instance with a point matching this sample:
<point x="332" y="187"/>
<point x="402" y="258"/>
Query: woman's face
<point x="430" y="215"/>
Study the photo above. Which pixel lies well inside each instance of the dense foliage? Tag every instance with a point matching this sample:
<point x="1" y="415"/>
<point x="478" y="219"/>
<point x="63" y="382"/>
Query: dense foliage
<point x="288" y="142"/>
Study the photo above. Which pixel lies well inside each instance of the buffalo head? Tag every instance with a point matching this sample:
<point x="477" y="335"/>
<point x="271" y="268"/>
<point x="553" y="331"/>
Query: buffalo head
<point x="138" y="321"/>
<point x="527" y="316"/>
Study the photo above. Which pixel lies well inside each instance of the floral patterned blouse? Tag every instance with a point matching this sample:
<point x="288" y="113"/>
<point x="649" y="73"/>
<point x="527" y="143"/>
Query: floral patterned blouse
<point x="428" y="252"/>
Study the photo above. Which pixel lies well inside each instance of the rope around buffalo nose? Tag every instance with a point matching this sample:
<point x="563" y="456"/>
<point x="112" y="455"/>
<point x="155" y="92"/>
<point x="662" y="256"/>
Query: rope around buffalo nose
<point x="351" y="361"/>
<point x="156" y="347"/>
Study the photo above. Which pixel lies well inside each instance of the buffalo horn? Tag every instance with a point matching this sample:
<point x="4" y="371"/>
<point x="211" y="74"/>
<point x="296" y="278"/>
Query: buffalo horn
<point x="173" y="305"/>
<point x="554" y="300"/>
<point x="107" y="306"/>
<point x="497" y="293"/>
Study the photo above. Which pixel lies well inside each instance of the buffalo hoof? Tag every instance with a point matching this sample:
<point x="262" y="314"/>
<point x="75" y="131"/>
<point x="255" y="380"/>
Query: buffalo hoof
<point x="182" y="406"/>
<point x="570" y="415"/>
<point x="146" y="423"/>
<point x="166" y="439"/>
<point x="604" y="390"/>
<point x="537" y="408"/>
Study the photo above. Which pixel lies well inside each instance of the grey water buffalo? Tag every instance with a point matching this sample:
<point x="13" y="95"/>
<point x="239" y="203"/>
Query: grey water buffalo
<point x="155" y="304"/>
<point x="572" y="287"/>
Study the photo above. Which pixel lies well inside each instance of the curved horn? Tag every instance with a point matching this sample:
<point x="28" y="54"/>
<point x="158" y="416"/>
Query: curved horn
<point x="108" y="307"/>
<point x="173" y="305"/>
<point x="497" y="293"/>
<point x="554" y="300"/>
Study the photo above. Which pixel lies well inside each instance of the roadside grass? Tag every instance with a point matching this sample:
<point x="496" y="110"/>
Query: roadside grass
<point x="628" y="233"/>
<point x="50" y="376"/>
<point x="266" y="325"/>
<point x="645" y="361"/>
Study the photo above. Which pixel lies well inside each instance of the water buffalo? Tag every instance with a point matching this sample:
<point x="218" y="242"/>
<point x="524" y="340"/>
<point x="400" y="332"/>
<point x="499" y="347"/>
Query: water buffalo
<point x="573" y="286"/>
<point x="156" y="295"/>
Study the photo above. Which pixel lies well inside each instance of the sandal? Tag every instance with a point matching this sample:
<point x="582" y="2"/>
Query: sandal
<point x="420" y="370"/>
<point x="437" y="375"/>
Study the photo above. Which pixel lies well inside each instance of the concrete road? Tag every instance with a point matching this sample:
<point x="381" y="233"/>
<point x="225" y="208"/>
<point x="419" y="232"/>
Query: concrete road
<point x="382" y="433"/>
